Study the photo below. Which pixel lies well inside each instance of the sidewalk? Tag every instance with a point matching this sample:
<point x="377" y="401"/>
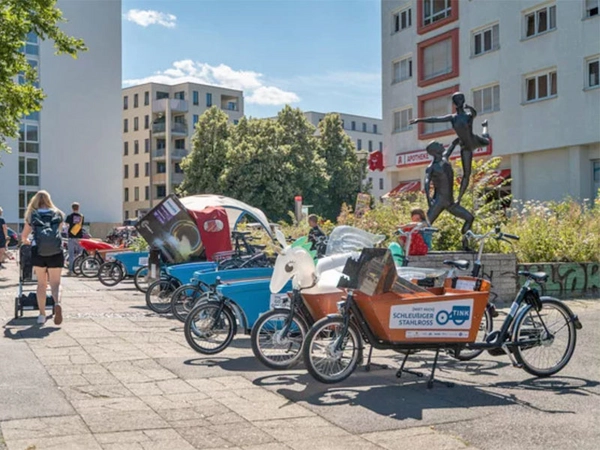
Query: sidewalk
<point x="116" y="376"/>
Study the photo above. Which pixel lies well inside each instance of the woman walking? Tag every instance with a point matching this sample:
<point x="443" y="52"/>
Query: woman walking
<point x="44" y="220"/>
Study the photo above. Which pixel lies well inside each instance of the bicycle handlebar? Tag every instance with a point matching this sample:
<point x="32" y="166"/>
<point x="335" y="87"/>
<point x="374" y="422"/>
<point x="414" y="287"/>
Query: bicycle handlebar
<point x="416" y="228"/>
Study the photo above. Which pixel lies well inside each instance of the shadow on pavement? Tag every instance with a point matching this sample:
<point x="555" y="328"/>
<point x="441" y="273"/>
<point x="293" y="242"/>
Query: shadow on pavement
<point x="241" y="364"/>
<point x="33" y="332"/>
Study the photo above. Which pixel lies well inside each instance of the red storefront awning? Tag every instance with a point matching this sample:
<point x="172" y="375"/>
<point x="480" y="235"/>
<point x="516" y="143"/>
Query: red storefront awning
<point x="405" y="186"/>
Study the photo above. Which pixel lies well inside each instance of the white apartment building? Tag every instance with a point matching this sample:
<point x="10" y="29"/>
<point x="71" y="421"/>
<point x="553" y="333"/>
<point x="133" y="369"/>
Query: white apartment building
<point x="531" y="68"/>
<point x="71" y="147"/>
<point x="157" y="128"/>
<point x="366" y="134"/>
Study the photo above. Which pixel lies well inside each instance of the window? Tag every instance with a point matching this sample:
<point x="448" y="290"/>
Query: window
<point x="29" y="138"/>
<point x="125" y="125"/>
<point x="146" y="192"/>
<point x="161" y="95"/>
<point x="180" y="143"/>
<point x="125" y="148"/>
<point x="146" y="145"/>
<point x="402" y="70"/>
<point x="232" y="106"/>
<point x="146" y="122"/>
<point x="126" y="215"/>
<point x="402" y="119"/>
<point x="136" y="147"/>
<point x="34" y="65"/>
<point x="487" y="99"/>
<point x="359" y="144"/>
<point x="236" y="121"/>
<point x="380" y="146"/>
<point x="381" y="184"/>
<point x="486" y="40"/>
<point x="591" y="8"/>
<point x="178" y="168"/>
<point x="136" y="170"/>
<point x="32" y="44"/>
<point x="25" y="196"/>
<point x="375" y="128"/>
<point x="161" y="191"/>
<point x="126" y="197"/>
<point x="208" y="99"/>
<point x="353" y="125"/>
<point x="136" y="194"/>
<point x="126" y="171"/>
<point x="161" y="144"/>
<point x="401" y="20"/>
<point x="435" y="10"/>
<point x="539" y="87"/>
<point x="125" y="102"/>
<point x="29" y="171"/>
<point x="135" y="100"/>
<point x="195" y="119"/>
<point x="593" y="69"/>
<point x="438" y="58"/>
<point x="195" y="98"/>
<point x="540" y="21"/>
<point x="438" y="103"/>
<point x="147" y="169"/>
<point x="136" y="124"/>
<point x="370" y="146"/>
<point x="146" y="98"/>
<point x="161" y="167"/>
<point x="179" y="95"/>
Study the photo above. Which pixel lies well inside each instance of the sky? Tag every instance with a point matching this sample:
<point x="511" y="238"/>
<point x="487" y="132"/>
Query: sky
<point x="318" y="55"/>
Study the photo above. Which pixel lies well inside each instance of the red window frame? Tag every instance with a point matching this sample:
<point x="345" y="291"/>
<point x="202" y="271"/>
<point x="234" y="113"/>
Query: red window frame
<point x="422" y="29"/>
<point x="421" y="46"/>
<point x="421" y="105"/>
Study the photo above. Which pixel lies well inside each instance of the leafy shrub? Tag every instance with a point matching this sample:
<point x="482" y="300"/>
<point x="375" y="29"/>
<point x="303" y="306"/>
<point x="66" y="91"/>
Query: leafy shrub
<point x="139" y="244"/>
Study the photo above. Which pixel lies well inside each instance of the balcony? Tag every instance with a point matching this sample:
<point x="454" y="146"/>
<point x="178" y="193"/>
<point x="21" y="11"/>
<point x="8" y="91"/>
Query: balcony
<point x="229" y="103"/>
<point x="177" y="128"/>
<point x="178" y="153"/>
<point x="176" y="105"/>
<point x="159" y="178"/>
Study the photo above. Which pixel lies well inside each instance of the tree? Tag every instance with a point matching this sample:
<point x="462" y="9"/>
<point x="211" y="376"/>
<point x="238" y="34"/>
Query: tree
<point x="204" y="165"/>
<point x="344" y="168"/>
<point x="22" y="97"/>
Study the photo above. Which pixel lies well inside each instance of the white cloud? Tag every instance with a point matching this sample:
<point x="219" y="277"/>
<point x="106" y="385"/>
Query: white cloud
<point x="150" y="17"/>
<point x="250" y="82"/>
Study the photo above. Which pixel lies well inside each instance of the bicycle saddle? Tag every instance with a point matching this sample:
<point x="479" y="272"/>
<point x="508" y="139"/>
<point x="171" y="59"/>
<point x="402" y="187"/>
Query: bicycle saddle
<point x="539" y="277"/>
<point x="240" y="233"/>
<point x="461" y="264"/>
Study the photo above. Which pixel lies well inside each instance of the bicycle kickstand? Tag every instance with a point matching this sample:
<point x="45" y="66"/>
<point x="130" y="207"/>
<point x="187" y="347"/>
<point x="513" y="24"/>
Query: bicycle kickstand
<point x="369" y="364"/>
<point x="403" y="370"/>
<point x="432" y="375"/>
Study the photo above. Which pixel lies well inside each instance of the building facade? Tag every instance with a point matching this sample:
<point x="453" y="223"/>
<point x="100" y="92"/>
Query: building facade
<point x="71" y="148"/>
<point x="366" y="134"/>
<point x="531" y="68"/>
<point x="158" y="122"/>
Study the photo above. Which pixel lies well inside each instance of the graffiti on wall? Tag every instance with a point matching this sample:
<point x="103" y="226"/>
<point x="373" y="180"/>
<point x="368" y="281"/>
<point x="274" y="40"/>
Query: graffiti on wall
<point x="567" y="279"/>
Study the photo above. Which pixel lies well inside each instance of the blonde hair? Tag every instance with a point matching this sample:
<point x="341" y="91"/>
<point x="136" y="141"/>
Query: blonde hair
<point x="40" y="200"/>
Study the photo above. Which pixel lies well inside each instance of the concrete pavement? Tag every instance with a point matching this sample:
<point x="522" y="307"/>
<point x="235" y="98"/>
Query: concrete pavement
<point x="116" y="376"/>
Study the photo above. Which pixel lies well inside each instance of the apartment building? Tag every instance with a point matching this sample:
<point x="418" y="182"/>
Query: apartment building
<point x="531" y="68"/>
<point x="157" y="128"/>
<point x="72" y="146"/>
<point x="366" y="134"/>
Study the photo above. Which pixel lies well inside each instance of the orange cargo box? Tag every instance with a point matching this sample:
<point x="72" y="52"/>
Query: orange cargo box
<point x="443" y="314"/>
<point x="319" y="305"/>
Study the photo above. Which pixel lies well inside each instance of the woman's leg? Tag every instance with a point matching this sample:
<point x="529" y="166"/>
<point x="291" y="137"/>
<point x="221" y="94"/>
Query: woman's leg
<point x="42" y="285"/>
<point x="54" y="280"/>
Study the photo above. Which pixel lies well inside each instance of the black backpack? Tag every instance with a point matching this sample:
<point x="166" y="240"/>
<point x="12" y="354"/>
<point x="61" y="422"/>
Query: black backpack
<point x="46" y="234"/>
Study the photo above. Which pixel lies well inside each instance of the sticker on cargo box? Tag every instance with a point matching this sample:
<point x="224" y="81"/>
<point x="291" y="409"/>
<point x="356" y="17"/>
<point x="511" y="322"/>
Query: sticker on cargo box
<point x="143" y="261"/>
<point x="420" y="334"/>
<point x="448" y="315"/>
<point x="465" y="285"/>
<point x="171" y="207"/>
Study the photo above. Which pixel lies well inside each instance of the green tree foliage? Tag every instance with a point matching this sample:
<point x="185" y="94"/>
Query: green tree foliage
<point x="17" y="18"/>
<point x="204" y="165"/>
<point x="344" y="169"/>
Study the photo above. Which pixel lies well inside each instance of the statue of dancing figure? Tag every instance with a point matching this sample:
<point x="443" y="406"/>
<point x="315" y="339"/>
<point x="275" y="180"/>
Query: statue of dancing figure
<point x="462" y="123"/>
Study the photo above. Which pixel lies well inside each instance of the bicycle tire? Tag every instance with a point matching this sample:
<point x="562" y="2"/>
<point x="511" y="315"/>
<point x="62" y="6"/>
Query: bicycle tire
<point x="255" y="339"/>
<point x="191" y="331"/>
<point x="521" y="322"/>
<point x="163" y="289"/>
<point x="184" y="299"/>
<point x="314" y="333"/>
<point x="110" y="274"/>
<point x="77" y="264"/>
<point x="89" y="267"/>
<point x="141" y="284"/>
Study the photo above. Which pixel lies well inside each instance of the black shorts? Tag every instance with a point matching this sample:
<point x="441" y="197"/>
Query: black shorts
<point x="54" y="261"/>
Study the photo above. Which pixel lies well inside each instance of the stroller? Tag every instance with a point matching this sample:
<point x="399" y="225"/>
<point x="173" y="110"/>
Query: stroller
<point x="28" y="300"/>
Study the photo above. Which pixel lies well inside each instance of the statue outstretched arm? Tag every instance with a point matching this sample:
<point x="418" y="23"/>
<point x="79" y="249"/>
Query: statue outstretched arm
<point x="446" y="118"/>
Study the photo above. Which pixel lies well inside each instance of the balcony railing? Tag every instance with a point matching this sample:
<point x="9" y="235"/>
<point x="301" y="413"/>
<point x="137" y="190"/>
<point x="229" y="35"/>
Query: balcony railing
<point x="179" y="128"/>
<point x="175" y="104"/>
<point x="176" y="153"/>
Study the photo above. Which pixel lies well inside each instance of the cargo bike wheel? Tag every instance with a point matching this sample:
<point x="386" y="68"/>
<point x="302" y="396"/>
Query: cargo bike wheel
<point x="140" y="279"/>
<point x="485" y="327"/>
<point x="329" y="356"/>
<point x="545" y="339"/>
<point x="77" y="264"/>
<point x="90" y="266"/>
<point x="110" y="273"/>
<point x="209" y="328"/>
<point x="185" y="298"/>
<point x="274" y="347"/>
<point x="158" y="295"/>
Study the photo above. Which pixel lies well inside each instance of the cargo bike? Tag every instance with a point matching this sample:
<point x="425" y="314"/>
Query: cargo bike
<point x="388" y="312"/>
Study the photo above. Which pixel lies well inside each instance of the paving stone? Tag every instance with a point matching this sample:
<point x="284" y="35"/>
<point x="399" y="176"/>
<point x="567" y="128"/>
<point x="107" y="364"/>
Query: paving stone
<point x="336" y="443"/>
<point x="203" y="438"/>
<point x="122" y="437"/>
<point x="221" y="383"/>
<point x="95" y="391"/>
<point x="43" y="427"/>
<point x="304" y="427"/>
<point x="108" y="405"/>
<point x="242" y="433"/>
<point x="421" y="438"/>
<point x="123" y="446"/>
<point x="74" y="442"/>
<point x="175" y="401"/>
<point x="101" y="422"/>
